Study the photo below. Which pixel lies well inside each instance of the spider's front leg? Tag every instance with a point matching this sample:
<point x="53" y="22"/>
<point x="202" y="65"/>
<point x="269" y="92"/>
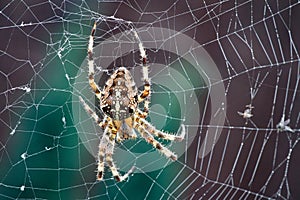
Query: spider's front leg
<point x="92" y="83"/>
<point x="145" y="95"/>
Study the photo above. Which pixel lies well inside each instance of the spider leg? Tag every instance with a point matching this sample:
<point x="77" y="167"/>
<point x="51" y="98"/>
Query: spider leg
<point x="102" y="123"/>
<point x="92" y="83"/>
<point x="145" y="112"/>
<point x="104" y="140"/>
<point x="111" y="165"/>
<point x="127" y="131"/>
<point x="107" y="121"/>
<point x="101" y="154"/>
<point x="150" y="139"/>
<point x="151" y="129"/>
<point x="144" y="96"/>
<point x="113" y="130"/>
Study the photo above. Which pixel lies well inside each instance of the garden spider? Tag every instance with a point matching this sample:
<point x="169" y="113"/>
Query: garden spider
<point x="119" y="101"/>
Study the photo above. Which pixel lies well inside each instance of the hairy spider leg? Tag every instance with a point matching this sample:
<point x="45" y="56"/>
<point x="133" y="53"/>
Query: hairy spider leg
<point x="102" y="123"/>
<point x="145" y="95"/>
<point x="104" y="139"/>
<point x="150" y="139"/>
<point x="92" y="83"/>
<point x="111" y="165"/>
<point x="101" y="154"/>
<point x="151" y="129"/>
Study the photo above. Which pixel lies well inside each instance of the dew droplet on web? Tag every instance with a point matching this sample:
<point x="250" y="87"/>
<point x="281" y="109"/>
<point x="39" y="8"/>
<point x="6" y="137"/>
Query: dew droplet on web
<point x="22" y="188"/>
<point x="24" y="155"/>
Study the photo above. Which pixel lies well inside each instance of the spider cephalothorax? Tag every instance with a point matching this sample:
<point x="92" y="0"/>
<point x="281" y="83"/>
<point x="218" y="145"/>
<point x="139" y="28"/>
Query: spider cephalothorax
<point x="119" y="101"/>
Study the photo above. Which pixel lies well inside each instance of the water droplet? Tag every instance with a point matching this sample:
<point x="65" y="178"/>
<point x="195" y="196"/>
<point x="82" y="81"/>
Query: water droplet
<point x="24" y="155"/>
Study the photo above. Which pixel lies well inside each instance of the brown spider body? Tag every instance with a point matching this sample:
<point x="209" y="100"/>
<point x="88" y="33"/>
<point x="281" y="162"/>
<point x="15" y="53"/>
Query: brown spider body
<point x="120" y="99"/>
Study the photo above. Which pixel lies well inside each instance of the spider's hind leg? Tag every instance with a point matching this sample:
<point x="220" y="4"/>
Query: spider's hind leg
<point x="126" y="129"/>
<point x="147" y="131"/>
<point x="101" y="154"/>
<point x="150" y="139"/>
<point x="111" y="165"/>
<point x="151" y="129"/>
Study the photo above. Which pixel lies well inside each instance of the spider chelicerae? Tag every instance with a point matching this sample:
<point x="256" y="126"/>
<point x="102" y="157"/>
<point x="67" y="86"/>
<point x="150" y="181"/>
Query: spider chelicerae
<point x="119" y="101"/>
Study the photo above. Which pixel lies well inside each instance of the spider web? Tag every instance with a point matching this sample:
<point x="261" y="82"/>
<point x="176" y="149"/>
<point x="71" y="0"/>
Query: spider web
<point x="211" y="64"/>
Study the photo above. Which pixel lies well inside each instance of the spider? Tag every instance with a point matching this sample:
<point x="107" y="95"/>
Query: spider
<point x="119" y="102"/>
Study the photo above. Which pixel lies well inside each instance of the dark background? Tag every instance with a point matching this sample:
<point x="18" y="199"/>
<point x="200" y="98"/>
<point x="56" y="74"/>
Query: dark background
<point x="244" y="38"/>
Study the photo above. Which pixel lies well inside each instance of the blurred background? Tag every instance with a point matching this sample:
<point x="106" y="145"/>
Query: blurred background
<point x="240" y="53"/>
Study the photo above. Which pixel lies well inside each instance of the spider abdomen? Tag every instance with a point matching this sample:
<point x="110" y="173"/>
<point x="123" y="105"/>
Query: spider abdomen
<point x="119" y="102"/>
